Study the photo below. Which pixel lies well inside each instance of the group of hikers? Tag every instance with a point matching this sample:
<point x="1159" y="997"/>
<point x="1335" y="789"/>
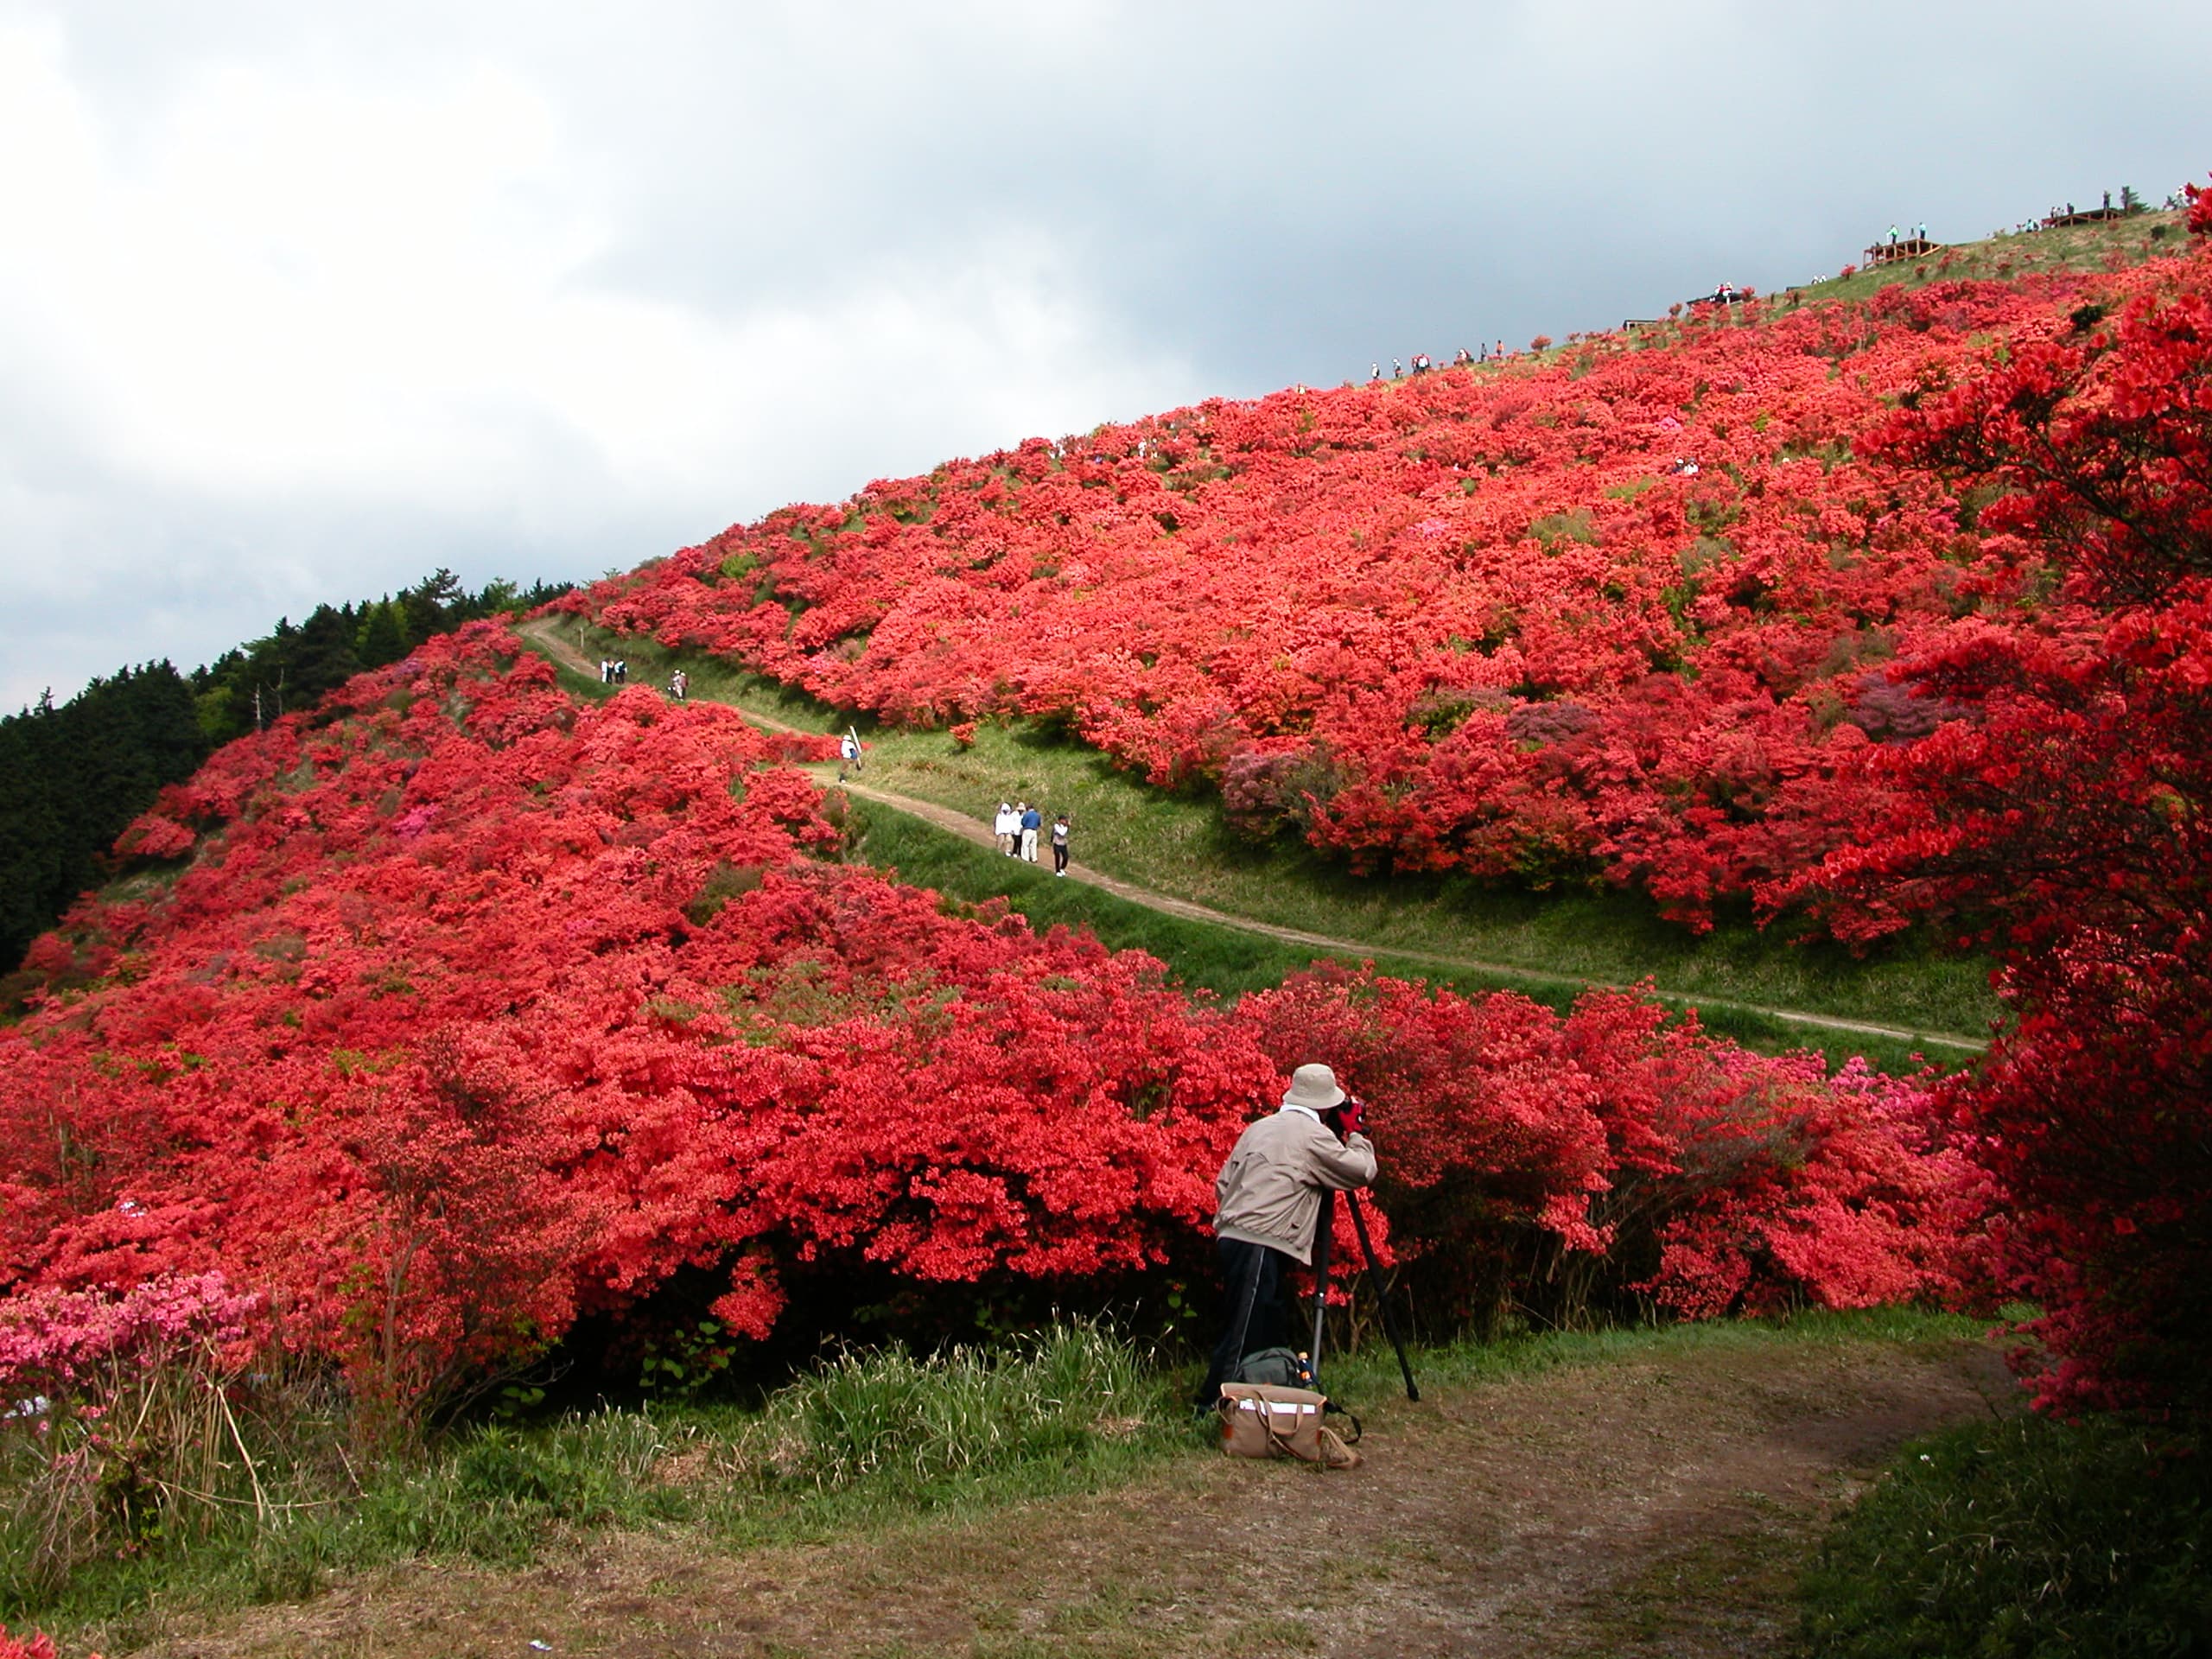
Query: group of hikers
<point x="614" y="671"/>
<point x="1019" y="825"/>
<point x="1461" y="358"/>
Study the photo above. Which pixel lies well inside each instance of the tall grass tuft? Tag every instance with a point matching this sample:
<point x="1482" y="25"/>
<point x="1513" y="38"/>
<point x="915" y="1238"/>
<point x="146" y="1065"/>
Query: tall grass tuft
<point x="884" y="1416"/>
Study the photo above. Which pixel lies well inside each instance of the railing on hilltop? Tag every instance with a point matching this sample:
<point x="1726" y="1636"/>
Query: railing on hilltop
<point x="1909" y="247"/>
<point x="2084" y="216"/>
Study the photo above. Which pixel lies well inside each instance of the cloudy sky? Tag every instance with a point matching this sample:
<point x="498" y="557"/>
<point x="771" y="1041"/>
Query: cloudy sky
<point x="298" y="302"/>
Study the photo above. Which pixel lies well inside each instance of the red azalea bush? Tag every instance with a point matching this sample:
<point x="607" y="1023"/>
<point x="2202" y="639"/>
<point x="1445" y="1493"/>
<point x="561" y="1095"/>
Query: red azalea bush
<point x="2063" y="820"/>
<point x="1553" y="1161"/>
<point x="473" y="1012"/>
<point x="1481" y="619"/>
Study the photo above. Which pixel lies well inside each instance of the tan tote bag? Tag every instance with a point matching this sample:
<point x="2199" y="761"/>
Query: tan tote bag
<point x="1259" y="1420"/>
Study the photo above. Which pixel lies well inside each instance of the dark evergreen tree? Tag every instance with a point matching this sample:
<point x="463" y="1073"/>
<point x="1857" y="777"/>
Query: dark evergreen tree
<point x="75" y="777"/>
<point x="382" y="636"/>
<point x="72" y="777"/>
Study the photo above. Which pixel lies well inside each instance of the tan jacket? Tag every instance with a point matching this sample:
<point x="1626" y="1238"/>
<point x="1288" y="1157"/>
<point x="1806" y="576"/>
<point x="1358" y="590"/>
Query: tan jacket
<point x="1269" y="1192"/>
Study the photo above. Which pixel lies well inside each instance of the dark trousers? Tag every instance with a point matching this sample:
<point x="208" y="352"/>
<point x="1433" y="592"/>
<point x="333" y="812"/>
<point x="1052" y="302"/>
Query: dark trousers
<point x="1254" y="1277"/>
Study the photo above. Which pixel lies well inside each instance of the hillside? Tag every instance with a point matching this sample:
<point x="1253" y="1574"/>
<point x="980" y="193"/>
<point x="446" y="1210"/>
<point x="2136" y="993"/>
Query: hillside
<point x="1484" y="620"/>
<point x="457" y="1013"/>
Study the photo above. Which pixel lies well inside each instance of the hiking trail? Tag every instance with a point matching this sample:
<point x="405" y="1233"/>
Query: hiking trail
<point x="544" y="634"/>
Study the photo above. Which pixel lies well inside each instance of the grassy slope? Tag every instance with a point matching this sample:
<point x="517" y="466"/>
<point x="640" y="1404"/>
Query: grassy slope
<point x="2023" y="1536"/>
<point x="2081" y="247"/>
<point x="1177" y="844"/>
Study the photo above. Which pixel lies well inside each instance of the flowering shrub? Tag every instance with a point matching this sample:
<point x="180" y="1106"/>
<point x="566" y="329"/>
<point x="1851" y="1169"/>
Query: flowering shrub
<point x="474" y="1011"/>
<point x="2063" y="820"/>
<point x="1484" y="619"/>
<point x="83" y="1344"/>
<point x="117" y="1425"/>
<point x="1555" y="1160"/>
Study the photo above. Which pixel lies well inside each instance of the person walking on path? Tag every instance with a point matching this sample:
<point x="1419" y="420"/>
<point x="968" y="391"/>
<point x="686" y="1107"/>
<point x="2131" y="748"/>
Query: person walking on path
<point x="1032" y="822"/>
<point x="1007" y="826"/>
<point x="679" y="682"/>
<point x="1268" y="1199"/>
<point x="1060" y="844"/>
<point x="849" y="752"/>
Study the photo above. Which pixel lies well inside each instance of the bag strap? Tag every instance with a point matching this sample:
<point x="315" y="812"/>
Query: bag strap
<point x="1335" y="1453"/>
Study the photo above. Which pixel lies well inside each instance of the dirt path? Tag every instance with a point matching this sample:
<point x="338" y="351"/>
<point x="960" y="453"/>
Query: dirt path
<point x="1655" y="1506"/>
<point x="544" y="634"/>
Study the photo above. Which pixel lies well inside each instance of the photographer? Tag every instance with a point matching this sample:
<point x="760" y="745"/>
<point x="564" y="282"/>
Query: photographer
<point x="1269" y="1196"/>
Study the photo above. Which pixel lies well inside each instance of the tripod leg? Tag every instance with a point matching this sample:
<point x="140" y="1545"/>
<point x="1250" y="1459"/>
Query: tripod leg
<point x="1381" y="1299"/>
<point x="1321" y="1243"/>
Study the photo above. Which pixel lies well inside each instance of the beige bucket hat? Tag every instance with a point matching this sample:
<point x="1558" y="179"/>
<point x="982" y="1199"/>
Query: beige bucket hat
<point x="1313" y="1087"/>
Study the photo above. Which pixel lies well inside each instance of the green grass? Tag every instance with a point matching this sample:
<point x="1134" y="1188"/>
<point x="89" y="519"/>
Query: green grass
<point x="2077" y="248"/>
<point x="1179" y="844"/>
<point x="1371" y="1373"/>
<point x="2026" y="1539"/>
<point x="1228" y="962"/>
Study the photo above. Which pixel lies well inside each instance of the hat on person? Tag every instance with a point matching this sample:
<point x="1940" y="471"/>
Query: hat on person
<point x="1313" y="1087"/>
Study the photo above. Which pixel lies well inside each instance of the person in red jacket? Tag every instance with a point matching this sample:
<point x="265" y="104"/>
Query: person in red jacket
<point x="1269" y="1207"/>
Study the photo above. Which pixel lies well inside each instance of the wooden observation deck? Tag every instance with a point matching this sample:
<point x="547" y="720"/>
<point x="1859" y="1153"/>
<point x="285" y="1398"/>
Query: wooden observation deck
<point x="2083" y="216"/>
<point x="1907" y="247"/>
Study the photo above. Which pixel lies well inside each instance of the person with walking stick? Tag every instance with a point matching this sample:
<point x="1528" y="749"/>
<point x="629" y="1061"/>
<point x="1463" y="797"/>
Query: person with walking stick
<point x="1270" y="1198"/>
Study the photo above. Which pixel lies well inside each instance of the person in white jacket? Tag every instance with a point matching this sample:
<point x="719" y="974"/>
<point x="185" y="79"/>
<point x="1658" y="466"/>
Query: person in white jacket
<point x="1007" y="827"/>
<point x="1268" y="1199"/>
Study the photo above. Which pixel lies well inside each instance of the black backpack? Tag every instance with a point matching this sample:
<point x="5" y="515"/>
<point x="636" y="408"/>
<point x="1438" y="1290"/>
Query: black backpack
<point x="1277" y="1368"/>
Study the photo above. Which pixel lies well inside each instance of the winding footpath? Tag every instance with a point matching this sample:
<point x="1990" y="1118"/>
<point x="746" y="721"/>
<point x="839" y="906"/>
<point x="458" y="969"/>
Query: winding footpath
<point x="544" y="635"/>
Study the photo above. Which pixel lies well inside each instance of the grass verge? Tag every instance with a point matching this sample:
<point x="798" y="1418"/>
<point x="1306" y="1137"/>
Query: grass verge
<point x="869" y="1441"/>
<point x="1179" y="844"/>
<point x="2022" y="1540"/>
<point x="1228" y="962"/>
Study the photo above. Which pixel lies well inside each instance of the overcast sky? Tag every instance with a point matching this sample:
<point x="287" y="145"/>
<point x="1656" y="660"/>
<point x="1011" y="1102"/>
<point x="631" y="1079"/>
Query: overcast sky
<point x="300" y="302"/>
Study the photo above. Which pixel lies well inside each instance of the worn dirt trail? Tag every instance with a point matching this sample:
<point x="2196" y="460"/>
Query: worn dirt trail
<point x="1655" y="1506"/>
<point x="543" y="634"/>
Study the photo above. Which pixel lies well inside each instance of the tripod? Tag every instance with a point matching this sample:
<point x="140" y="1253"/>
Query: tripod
<point x="1322" y="1242"/>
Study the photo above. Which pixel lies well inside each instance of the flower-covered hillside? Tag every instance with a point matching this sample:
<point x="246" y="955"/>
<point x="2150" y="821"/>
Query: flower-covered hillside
<point x="456" y="1010"/>
<point x="1629" y="608"/>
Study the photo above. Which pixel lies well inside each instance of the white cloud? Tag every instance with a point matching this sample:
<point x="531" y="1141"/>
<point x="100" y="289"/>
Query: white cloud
<point x="295" y="305"/>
